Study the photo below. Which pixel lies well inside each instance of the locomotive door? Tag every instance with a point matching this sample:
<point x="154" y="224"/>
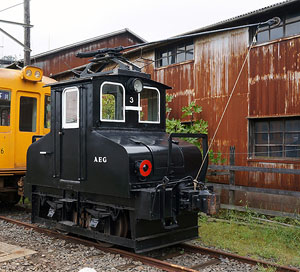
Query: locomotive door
<point x="27" y="124"/>
<point x="70" y="135"/>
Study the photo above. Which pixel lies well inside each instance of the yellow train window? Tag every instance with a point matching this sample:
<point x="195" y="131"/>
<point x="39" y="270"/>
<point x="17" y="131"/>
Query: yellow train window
<point x="28" y="108"/>
<point x="47" y="117"/>
<point x="4" y="108"/>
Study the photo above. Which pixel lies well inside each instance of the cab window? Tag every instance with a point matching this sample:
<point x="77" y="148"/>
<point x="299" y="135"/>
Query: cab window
<point x="28" y="114"/>
<point x="4" y="108"/>
<point x="70" y="108"/>
<point x="47" y="111"/>
<point x="150" y="107"/>
<point x="112" y="102"/>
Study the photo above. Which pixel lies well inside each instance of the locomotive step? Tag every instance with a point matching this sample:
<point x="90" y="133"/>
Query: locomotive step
<point x="68" y="200"/>
<point x="67" y="223"/>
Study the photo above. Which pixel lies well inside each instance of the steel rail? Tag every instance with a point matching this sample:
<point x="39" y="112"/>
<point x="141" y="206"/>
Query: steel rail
<point x="220" y="253"/>
<point x="144" y="259"/>
<point x="148" y="260"/>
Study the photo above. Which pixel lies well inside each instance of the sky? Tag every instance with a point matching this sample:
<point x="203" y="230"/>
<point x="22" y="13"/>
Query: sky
<point x="62" y="22"/>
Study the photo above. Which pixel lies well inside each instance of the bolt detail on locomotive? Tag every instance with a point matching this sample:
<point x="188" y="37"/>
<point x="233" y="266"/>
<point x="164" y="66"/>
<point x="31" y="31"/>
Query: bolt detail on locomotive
<point x="108" y="170"/>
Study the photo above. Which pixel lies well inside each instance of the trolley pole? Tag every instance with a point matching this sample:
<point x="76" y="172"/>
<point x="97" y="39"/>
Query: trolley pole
<point x="26" y="32"/>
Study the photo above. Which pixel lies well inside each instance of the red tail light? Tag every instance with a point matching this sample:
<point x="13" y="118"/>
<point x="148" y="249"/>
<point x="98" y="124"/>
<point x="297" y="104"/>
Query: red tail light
<point x="145" y="168"/>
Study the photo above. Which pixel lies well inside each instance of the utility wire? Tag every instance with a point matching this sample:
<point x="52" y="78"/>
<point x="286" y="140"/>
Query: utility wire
<point x="257" y="152"/>
<point x="12" y="7"/>
<point x="227" y="104"/>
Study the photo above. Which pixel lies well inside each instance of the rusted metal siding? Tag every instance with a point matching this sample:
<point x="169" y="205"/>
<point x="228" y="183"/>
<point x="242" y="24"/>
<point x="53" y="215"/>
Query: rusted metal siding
<point x="288" y="204"/>
<point x="178" y="76"/>
<point x="209" y="80"/>
<point x="273" y="180"/>
<point x="274" y="91"/>
<point x="66" y="59"/>
<point x="270" y="79"/>
<point x="181" y="78"/>
<point x="218" y="60"/>
<point x="275" y="79"/>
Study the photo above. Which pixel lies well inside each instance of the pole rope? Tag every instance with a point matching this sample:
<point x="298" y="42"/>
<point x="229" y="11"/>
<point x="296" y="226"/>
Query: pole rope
<point x="227" y="104"/>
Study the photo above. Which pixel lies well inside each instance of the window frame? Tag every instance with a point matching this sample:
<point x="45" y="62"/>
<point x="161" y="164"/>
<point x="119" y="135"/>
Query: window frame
<point x="46" y="111"/>
<point x="287" y="20"/>
<point x="66" y="125"/>
<point x="10" y="104"/>
<point x="139" y="105"/>
<point x="34" y="125"/>
<point x="169" y="52"/>
<point x="284" y="144"/>
<point x="123" y="110"/>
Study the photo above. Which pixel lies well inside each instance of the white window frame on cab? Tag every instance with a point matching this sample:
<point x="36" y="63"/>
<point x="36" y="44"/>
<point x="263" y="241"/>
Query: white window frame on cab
<point x="64" y="94"/>
<point x="150" y="122"/>
<point x="123" y="110"/>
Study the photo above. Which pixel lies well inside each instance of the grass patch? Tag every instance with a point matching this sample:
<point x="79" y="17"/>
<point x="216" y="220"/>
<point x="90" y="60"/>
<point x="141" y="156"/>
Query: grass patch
<point x="247" y="235"/>
<point x="261" y="268"/>
<point x="25" y="202"/>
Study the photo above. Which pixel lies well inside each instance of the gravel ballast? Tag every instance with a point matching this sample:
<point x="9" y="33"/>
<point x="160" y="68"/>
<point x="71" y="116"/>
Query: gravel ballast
<point x="59" y="255"/>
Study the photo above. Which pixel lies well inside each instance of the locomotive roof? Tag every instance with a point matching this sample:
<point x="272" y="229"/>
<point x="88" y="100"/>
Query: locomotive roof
<point x="113" y="73"/>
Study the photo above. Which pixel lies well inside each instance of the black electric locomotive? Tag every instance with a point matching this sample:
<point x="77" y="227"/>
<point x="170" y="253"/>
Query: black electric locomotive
<point x="108" y="170"/>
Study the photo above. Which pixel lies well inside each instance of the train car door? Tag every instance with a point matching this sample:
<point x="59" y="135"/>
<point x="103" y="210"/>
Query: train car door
<point x="70" y="135"/>
<point x="27" y="124"/>
<point x="5" y="130"/>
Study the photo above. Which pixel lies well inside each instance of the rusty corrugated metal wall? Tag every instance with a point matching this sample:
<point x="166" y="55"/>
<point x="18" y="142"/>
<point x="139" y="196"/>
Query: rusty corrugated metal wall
<point x="274" y="91"/>
<point x="268" y="87"/>
<point x="66" y="59"/>
<point x="275" y="79"/>
<point x="218" y="60"/>
<point x="209" y="80"/>
<point x="181" y="79"/>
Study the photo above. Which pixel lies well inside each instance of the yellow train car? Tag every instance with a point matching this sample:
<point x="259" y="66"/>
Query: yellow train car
<point x="24" y="113"/>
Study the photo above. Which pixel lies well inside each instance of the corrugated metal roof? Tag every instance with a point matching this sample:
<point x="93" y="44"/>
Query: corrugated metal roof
<point x="218" y="25"/>
<point x="230" y="21"/>
<point x="243" y="16"/>
<point x="105" y="36"/>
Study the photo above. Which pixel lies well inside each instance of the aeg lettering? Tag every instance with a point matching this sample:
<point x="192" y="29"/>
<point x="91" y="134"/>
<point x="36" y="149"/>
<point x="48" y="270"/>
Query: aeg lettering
<point x="100" y="159"/>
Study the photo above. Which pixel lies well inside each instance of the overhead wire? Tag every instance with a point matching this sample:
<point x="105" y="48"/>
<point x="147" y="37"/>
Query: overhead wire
<point x="257" y="152"/>
<point x="12" y="7"/>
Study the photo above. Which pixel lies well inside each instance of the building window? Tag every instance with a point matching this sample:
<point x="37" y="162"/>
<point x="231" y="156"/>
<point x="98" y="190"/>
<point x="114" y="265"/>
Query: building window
<point x="289" y="26"/>
<point x="275" y="138"/>
<point x="174" y="54"/>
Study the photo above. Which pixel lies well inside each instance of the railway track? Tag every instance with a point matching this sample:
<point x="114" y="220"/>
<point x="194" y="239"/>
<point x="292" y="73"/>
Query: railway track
<point x="161" y="262"/>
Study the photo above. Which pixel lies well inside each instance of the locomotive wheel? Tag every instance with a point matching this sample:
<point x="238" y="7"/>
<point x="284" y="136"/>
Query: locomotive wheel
<point x="121" y="225"/>
<point x="87" y="221"/>
<point x="10" y="199"/>
<point x="75" y="217"/>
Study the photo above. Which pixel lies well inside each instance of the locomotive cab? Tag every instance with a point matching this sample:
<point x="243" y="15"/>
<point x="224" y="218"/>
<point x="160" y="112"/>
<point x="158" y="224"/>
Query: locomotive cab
<point x="107" y="169"/>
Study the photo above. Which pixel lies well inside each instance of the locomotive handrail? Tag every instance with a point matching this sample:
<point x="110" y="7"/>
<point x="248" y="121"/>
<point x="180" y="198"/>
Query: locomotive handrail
<point x="162" y="187"/>
<point x="189" y="135"/>
<point x="167" y="183"/>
